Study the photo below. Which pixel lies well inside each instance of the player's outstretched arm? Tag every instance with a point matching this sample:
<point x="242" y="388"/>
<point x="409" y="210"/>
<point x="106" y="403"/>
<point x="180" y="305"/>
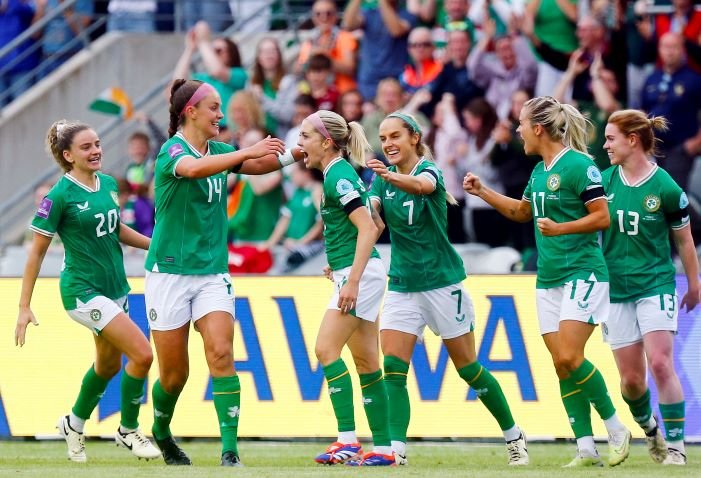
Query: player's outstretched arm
<point x="132" y="238"/>
<point x="271" y="162"/>
<point x="409" y="184"/>
<point x="514" y="209"/>
<point x="40" y="245"/>
<point x="687" y="253"/>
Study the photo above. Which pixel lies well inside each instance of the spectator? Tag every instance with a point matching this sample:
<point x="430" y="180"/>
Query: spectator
<point x="274" y="88"/>
<point x="512" y="68"/>
<point x="604" y="88"/>
<point x="131" y="16"/>
<point x="388" y="100"/>
<point x="448" y="141"/>
<point x="245" y="114"/>
<point x="300" y="223"/>
<point x="136" y="208"/>
<point x="139" y="171"/>
<point x="454" y="78"/>
<point x="422" y="68"/>
<point x="488" y="225"/>
<point x="674" y="91"/>
<point x="304" y="106"/>
<point x="350" y="106"/>
<point x="642" y="51"/>
<point x="339" y="45"/>
<point x="453" y="17"/>
<point x="222" y="63"/>
<point x="553" y="23"/>
<point x="216" y="13"/>
<point x="317" y="82"/>
<point x="59" y="39"/>
<point x="15" y="17"/>
<point x="257" y="14"/>
<point x="514" y="168"/>
<point x="383" y="51"/>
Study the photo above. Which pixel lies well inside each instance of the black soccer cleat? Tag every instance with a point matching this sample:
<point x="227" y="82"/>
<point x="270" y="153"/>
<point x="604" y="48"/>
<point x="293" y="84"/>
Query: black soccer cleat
<point x="229" y="458"/>
<point x="172" y="453"/>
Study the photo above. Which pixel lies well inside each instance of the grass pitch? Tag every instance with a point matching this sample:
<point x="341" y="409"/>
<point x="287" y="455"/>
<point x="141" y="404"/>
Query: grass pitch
<point x="47" y="459"/>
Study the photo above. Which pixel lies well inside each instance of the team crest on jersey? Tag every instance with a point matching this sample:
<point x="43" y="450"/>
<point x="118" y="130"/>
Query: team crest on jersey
<point x="115" y="197"/>
<point x="651" y="203"/>
<point x="152" y="315"/>
<point x="95" y="315"/>
<point x="553" y="182"/>
<point x="594" y="174"/>
<point x="343" y="186"/>
<point x="683" y="201"/>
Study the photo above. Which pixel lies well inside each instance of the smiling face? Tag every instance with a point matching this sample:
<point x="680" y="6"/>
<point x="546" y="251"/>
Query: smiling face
<point x="85" y="153"/>
<point x="206" y="115"/>
<point x="398" y="144"/>
<point x="315" y="146"/>
<point x="618" y="145"/>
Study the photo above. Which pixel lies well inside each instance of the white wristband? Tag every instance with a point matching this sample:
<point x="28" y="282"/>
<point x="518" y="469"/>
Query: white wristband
<point x="285" y="159"/>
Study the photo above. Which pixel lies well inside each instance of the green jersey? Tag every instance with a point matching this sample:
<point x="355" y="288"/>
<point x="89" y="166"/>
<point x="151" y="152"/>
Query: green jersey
<point x="636" y="246"/>
<point x="561" y="193"/>
<point x="191" y="224"/>
<point x="422" y="256"/>
<point x="344" y="191"/>
<point x="88" y="222"/>
<point x="302" y="213"/>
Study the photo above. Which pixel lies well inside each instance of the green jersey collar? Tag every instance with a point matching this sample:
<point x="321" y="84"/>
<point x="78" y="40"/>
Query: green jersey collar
<point x="330" y="165"/>
<point x="79" y="184"/>
<point x="642" y="181"/>
<point x="556" y="159"/>
<point x="193" y="150"/>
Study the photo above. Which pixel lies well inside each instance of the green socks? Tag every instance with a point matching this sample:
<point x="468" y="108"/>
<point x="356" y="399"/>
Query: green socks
<point x="641" y="410"/>
<point x="577" y="408"/>
<point x="591" y="382"/>
<point x="132" y="392"/>
<point x="226" y="392"/>
<point x="673" y="418"/>
<point x="396" y="371"/>
<point x="341" y="393"/>
<point x="489" y="392"/>
<point x="376" y="406"/>
<point x="91" y="391"/>
<point x="163" y="407"/>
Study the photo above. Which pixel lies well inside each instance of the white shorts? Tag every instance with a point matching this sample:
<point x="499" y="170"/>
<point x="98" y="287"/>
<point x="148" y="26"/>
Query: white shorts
<point x="370" y="293"/>
<point x="584" y="301"/>
<point x="172" y="300"/>
<point x="629" y="321"/>
<point x="99" y="311"/>
<point x="448" y="312"/>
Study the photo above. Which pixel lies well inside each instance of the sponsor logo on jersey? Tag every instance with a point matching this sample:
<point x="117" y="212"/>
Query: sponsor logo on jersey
<point x="83" y="207"/>
<point x="175" y="149"/>
<point x="609" y="198"/>
<point x="115" y="197"/>
<point x="553" y="182"/>
<point x="683" y="201"/>
<point x="152" y="315"/>
<point x="389" y="195"/>
<point x="651" y="203"/>
<point x="95" y="315"/>
<point x="343" y="186"/>
<point x="594" y="174"/>
<point x="44" y="208"/>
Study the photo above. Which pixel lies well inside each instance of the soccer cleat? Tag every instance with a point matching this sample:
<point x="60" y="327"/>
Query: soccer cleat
<point x="656" y="445"/>
<point x="339" y="453"/>
<point x="229" y="458"/>
<point x="172" y="453"/>
<point x="517" y="451"/>
<point x="400" y="460"/>
<point x="581" y="461"/>
<point x="674" y="457"/>
<point x="74" y="440"/>
<point x="619" y="447"/>
<point x="137" y="443"/>
<point x="373" y="459"/>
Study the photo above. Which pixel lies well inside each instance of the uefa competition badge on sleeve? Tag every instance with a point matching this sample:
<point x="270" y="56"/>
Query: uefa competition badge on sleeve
<point x="44" y="208"/>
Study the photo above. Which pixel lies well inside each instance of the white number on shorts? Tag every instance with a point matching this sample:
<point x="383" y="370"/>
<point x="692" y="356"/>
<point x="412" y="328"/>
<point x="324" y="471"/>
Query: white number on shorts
<point x="535" y="204"/>
<point x="112" y="219"/>
<point x="410" y="205"/>
<point x="215" y="186"/>
<point x="634" y="217"/>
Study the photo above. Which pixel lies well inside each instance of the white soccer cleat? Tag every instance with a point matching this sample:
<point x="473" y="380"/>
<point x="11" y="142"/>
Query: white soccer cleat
<point x="674" y="457"/>
<point x="74" y="440"/>
<point x="517" y="451"/>
<point x="400" y="460"/>
<point x="138" y="444"/>
<point x="656" y="446"/>
<point x="582" y="461"/>
<point x="619" y="446"/>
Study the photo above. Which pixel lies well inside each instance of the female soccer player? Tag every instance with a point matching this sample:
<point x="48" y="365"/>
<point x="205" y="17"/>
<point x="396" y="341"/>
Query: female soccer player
<point x="187" y="276"/>
<point x="83" y="209"/>
<point x="350" y="232"/>
<point x="565" y="198"/>
<point x="425" y="281"/>
<point x="644" y="204"/>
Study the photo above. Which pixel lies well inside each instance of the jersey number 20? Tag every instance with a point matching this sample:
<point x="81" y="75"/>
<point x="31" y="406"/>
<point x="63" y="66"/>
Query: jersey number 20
<point x="112" y="219"/>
